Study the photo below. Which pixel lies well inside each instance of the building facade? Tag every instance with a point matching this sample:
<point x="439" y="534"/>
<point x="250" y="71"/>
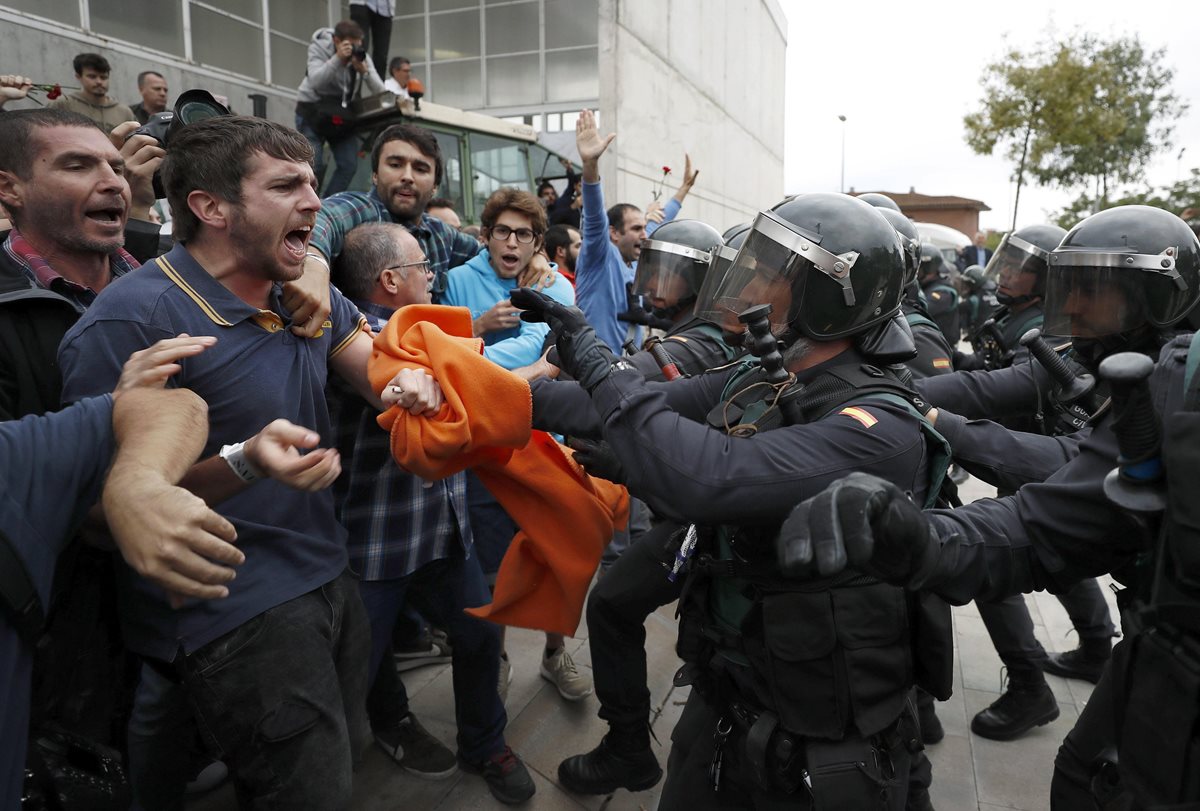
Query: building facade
<point x="705" y="77"/>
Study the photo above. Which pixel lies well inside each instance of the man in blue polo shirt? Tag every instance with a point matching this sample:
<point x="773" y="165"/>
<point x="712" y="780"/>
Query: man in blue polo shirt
<point x="51" y="469"/>
<point x="277" y="671"/>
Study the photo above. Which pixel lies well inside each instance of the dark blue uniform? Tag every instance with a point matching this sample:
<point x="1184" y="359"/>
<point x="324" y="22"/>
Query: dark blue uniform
<point x="51" y="469"/>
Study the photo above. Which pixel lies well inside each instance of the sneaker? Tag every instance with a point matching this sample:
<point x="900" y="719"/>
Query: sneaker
<point x="559" y="669"/>
<point x="507" y="778"/>
<point x="210" y="775"/>
<point x="506" y="677"/>
<point x="1027" y="703"/>
<point x="430" y="648"/>
<point x="605" y="769"/>
<point x="417" y="752"/>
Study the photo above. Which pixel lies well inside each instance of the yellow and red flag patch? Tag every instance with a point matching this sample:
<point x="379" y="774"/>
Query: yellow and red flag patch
<point x="941" y="363"/>
<point x="859" y="414"/>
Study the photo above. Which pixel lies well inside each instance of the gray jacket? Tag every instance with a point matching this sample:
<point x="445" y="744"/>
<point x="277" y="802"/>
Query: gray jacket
<point x="328" y="77"/>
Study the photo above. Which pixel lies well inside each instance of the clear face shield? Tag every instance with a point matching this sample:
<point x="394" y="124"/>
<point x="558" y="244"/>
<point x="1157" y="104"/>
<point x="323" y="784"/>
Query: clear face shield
<point x="1014" y="267"/>
<point x="1090" y="294"/>
<point x="769" y="269"/>
<point x="665" y="273"/>
<point x="718" y="266"/>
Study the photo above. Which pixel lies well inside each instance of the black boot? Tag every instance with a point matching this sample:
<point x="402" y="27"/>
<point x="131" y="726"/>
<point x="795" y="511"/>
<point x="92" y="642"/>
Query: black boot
<point x="1085" y="662"/>
<point x="610" y="766"/>
<point x="1027" y="703"/>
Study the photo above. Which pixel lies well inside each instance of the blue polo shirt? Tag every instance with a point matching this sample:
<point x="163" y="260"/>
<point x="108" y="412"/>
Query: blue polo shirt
<point x="257" y="372"/>
<point x="51" y="468"/>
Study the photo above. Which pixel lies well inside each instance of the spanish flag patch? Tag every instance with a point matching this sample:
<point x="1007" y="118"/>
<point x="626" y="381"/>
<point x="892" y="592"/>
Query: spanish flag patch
<point x="859" y="414"/>
<point x="941" y="363"/>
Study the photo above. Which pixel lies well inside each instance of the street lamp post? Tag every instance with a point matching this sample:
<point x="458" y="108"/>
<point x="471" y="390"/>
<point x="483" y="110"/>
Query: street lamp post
<point x="842" y="118"/>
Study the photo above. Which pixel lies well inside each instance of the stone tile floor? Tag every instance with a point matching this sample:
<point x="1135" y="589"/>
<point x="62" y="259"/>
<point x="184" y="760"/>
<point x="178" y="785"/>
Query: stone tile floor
<point x="969" y="772"/>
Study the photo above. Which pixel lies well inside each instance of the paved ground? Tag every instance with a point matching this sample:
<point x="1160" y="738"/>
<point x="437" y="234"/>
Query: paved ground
<point x="969" y="772"/>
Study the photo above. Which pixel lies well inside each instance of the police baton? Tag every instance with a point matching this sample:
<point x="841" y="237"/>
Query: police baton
<point x="763" y="344"/>
<point x="1136" y="483"/>
<point x="662" y="357"/>
<point x="1074" y="395"/>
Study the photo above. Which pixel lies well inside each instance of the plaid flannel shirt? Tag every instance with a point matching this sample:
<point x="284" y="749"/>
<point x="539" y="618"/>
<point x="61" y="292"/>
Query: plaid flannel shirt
<point x="397" y="522"/>
<point x="445" y="247"/>
<point x="38" y="270"/>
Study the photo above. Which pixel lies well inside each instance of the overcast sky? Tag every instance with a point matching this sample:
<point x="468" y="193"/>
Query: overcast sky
<point x="905" y="74"/>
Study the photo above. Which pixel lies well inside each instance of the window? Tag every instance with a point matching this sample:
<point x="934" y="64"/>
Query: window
<point x="151" y="23"/>
<point x="451" y="186"/>
<point x="64" y="11"/>
<point x="408" y="39"/>
<point x="457" y="84"/>
<point x="299" y="18"/>
<point x="497" y="162"/>
<point x="572" y="75"/>
<point x="513" y="80"/>
<point x="571" y="23"/>
<point x="512" y="29"/>
<point x="288" y="61"/>
<point x="223" y="42"/>
<point x="455" y="35"/>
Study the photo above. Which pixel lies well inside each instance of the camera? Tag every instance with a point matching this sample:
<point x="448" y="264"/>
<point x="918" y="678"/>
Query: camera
<point x="359" y="53"/>
<point x="192" y="106"/>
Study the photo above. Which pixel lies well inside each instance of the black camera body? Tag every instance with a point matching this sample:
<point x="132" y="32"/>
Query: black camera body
<point x="190" y="107"/>
<point x="359" y="54"/>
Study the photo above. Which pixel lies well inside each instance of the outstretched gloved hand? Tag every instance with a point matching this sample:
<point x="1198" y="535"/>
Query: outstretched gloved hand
<point x="581" y="353"/>
<point x="597" y="458"/>
<point x="864" y="522"/>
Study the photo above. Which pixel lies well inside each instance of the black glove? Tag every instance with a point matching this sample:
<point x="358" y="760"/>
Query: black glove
<point x="861" y="521"/>
<point x="598" y="459"/>
<point x="582" y="354"/>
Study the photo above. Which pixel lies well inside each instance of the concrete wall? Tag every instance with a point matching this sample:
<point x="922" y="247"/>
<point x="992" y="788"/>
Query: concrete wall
<point x="43" y="51"/>
<point x="696" y="76"/>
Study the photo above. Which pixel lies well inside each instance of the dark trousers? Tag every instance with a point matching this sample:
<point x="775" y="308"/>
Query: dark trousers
<point x="440" y="591"/>
<point x="281" y="699"/>
<point x="378" y="35"/>
<point x="1011" y="628"/>
<point x="1094" y="731"/>
<point x="689" y="786"/>
<point x="633" y="587"/>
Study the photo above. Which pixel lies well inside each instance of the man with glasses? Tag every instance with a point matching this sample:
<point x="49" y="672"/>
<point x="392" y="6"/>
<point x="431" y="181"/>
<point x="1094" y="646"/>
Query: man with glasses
<point x="514" y="224"/>
<point x="410" y="542"/>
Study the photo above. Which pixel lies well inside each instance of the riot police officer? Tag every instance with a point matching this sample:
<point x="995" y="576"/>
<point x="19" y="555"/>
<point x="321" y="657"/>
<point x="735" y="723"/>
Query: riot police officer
<point x="1118" y="278"/>
<point x="1018" y="268"/>
<point x="941" y="298"/>
<point x="978" y="301"/>
<point x="793" y="684"/>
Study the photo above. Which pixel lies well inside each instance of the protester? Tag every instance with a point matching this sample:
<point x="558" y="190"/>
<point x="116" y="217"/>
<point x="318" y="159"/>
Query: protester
<point x="153" y="88"/>
<point x="92" y="71"/>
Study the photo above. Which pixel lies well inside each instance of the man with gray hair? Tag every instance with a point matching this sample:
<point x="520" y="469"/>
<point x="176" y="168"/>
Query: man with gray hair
<point x="153" y="87"/>
<point x="410" y="541"/>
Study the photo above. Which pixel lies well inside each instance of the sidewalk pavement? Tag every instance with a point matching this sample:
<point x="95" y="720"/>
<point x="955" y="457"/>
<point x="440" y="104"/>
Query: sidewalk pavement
<point x="969" y="772"/>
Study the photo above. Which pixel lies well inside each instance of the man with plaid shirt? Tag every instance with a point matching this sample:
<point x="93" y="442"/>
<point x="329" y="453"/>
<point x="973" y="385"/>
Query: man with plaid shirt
<point x="406" y="170"/>
<point x="411" y="543"/>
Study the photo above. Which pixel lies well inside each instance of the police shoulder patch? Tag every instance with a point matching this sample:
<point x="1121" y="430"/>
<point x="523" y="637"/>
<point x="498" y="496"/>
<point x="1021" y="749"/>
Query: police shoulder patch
<point x="860" y="414"/>
<point x="941" y="363"/>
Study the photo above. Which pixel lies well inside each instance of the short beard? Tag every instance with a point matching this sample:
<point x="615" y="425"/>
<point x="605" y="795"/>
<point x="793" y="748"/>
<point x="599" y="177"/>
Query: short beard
<point x="798" y="351"/>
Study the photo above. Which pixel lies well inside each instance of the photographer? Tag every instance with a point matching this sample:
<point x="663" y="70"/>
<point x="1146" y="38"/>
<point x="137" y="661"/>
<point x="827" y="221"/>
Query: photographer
<point x="338" y="69"/>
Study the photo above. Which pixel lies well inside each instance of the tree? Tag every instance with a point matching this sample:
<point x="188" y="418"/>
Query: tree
<point x="1178" y="197"/>
<point x="1078" y="112"/>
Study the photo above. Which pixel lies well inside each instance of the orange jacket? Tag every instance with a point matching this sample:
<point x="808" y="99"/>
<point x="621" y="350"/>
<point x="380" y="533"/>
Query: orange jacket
<point x="566" y="517"/>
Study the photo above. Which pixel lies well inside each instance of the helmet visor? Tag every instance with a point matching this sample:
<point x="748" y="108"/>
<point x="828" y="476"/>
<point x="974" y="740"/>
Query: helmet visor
<point x="665" y="272"/>
<point x="1092" y="294"/>
<point x="1013" y="259"/>
<point x="767" y="269"/>
<point x="718" y="266"/>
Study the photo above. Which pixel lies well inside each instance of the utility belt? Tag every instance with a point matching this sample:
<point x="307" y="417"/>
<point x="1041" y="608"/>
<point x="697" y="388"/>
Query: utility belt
<point x="752" y="748"/>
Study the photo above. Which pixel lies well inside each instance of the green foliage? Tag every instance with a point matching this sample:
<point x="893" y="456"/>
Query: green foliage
<point x="1178" y="197"/>
<point x="1077" y="112"/>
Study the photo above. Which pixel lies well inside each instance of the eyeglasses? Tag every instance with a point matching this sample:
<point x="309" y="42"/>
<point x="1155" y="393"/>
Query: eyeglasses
<point x="502" y="232"/>
<point x="423" y="265"/>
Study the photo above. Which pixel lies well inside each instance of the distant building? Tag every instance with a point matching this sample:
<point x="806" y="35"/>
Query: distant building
<point x="705" y="76"/>
<point x="960" y="213"/>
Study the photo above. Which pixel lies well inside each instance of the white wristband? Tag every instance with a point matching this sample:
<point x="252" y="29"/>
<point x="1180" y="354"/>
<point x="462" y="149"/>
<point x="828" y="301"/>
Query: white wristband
<point x="235" y="456"/>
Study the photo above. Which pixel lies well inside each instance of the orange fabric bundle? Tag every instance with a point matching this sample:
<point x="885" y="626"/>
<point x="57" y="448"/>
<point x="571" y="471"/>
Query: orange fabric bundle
<point x="566" y="517"/>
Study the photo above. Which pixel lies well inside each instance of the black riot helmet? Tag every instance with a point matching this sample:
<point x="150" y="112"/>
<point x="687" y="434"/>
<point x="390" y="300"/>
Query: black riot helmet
<point x="1120" y="270"/>
<point x="830" y="265"/>
<point x="973" y="277"/>
<point x="878" y="200"/>
<point x="1023" y="251"/>
<point x="933" y="264"/>
<point x="672" y="265"/>
<point x="910" y="240"/>
<point x="722" y="260"/>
